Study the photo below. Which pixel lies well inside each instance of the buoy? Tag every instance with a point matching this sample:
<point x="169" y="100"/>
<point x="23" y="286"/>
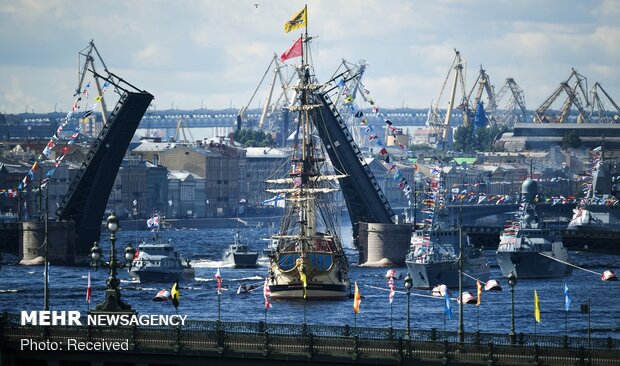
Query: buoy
<point x="390" y="273"/>
<point x="467" y="297"/>
<point x="439" y="290"/>
<point x="609" y="275"/>
<point x="163" y="295"/>
<point x="492" y="285"/>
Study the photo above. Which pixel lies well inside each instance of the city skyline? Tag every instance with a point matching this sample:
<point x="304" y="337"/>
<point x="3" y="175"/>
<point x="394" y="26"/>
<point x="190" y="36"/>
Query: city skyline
<point x="191" y="54"/>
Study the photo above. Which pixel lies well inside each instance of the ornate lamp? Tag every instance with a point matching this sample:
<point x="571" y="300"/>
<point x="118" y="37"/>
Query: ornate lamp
<point x="408" y="285"/>
<point x="112" y="302"/>
<point x="512" y="281"/>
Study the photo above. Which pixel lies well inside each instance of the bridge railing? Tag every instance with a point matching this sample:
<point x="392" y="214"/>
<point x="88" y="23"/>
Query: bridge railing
<point x="316" y="341"/>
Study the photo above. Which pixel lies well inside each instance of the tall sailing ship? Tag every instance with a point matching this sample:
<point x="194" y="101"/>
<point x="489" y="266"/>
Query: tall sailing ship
<point x="308" y="261"/>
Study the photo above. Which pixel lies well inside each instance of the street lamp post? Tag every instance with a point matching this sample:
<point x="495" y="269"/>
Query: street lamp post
<point x="512" y="281"/>
<point x="112" y="302"/>
<point x="408" y="285"/>
<point x="461" y="332"/>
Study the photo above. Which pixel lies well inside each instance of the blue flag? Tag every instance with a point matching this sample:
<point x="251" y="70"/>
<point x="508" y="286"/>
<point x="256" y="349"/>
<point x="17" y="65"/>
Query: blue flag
<point x="566" y="298"/>
<point x="448" y="308"/>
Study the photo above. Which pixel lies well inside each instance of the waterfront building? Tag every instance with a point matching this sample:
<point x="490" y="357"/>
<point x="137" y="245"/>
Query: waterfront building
<point x="541" y="136"/>
<point x="186" y="195"/>
<point x="143" y="188"/>
<point x="220" y="164"/>
<point x="11" y="173"/>
<point x="263" y="163"/>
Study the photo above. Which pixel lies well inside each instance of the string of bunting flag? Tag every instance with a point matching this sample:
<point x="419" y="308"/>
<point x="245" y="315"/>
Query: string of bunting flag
<point x="80" y="97"/>
<point x="362" y="122"/>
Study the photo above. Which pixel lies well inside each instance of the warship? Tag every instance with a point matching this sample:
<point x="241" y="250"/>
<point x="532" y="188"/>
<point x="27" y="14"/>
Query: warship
<point x="239" y="255"/>
<point x="435" y="251"/>
<point x="434" y="259"/>
<point x="595" y="224"/>
<point x="156" y="261"/>
<point x="527" y="249"/>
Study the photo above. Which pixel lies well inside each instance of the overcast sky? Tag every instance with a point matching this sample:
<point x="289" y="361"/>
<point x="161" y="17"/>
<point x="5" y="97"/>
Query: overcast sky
<point x="190" y="53"/>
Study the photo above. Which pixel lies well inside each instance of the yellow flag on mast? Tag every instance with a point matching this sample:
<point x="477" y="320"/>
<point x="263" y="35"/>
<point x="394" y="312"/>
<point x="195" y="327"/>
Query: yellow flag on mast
<point x="536" y="307"/>
<point x="478" y="292"/>
<point x="297" y="21"/>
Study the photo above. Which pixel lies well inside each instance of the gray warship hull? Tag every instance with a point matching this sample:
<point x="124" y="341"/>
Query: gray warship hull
<point x="531" y="264"/>
<point x="153" y="275"/>
<point x="241" y="260"/>
<point x="429" y="275"/>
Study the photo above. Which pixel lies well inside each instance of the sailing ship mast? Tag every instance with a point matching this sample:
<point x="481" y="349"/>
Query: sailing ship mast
<point x="309" y="260"/>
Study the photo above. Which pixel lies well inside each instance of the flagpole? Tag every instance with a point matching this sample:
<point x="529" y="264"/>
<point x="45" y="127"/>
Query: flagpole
<point x="305" y="37"/>
<point x="566" y="323"/>
<point x="46" y="289"/>
<point x="444" y="322"/>
<point x="391" y="312"/>
<point x="304" y="306"/>
<point x="478" y="318"/>
<point x="589" y="328"/>
<point x="219" y="303"/>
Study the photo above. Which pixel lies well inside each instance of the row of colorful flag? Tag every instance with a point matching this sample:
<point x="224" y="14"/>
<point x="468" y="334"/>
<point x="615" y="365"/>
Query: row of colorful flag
<point x="362" y="121"/>
<point x="174" y="294"/>
<point x="52" y="143"/>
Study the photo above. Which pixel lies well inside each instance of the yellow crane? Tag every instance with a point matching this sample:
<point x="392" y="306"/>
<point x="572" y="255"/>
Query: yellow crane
<point x="436" y="120"/>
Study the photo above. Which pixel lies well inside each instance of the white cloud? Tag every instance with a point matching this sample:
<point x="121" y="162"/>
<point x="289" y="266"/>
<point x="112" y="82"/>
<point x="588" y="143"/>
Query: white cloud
<point x="187" y="51"/>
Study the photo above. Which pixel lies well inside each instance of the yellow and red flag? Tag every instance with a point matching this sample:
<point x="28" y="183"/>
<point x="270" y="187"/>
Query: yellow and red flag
<point x="357" y="299"/>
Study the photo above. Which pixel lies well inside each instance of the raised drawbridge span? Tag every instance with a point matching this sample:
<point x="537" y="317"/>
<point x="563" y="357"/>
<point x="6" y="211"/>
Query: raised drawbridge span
<point x="87" y="197"/>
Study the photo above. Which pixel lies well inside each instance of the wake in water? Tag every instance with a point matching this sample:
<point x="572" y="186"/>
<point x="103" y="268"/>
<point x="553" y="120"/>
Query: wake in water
<point x="205" y="263"/>
<point x="251" y="278"/>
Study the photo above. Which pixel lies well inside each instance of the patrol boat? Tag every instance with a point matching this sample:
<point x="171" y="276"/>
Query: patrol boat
<point x="157" y="261"/>
<point x="526" y="248"/>
<point x="238" y="255"/>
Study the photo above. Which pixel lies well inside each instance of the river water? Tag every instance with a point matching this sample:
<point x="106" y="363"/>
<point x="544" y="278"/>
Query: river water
<point x="21" y="288"/>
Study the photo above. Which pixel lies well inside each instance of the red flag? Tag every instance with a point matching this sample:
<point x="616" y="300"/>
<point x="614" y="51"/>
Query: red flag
<point x="219" y="281"/>
<point x="295" y="51"/>
<point x="88" y="290"/>
<point x="266" y="294"/>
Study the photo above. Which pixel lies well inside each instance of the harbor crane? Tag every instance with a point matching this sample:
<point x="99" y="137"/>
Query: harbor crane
<point x="441" y="123"/>
<point x="598" y="112"/>
<point x="272" y="105"/>
<point x="483" y="84"/>
<point x="513" y="111"/>
<point x="576" y="96"/>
